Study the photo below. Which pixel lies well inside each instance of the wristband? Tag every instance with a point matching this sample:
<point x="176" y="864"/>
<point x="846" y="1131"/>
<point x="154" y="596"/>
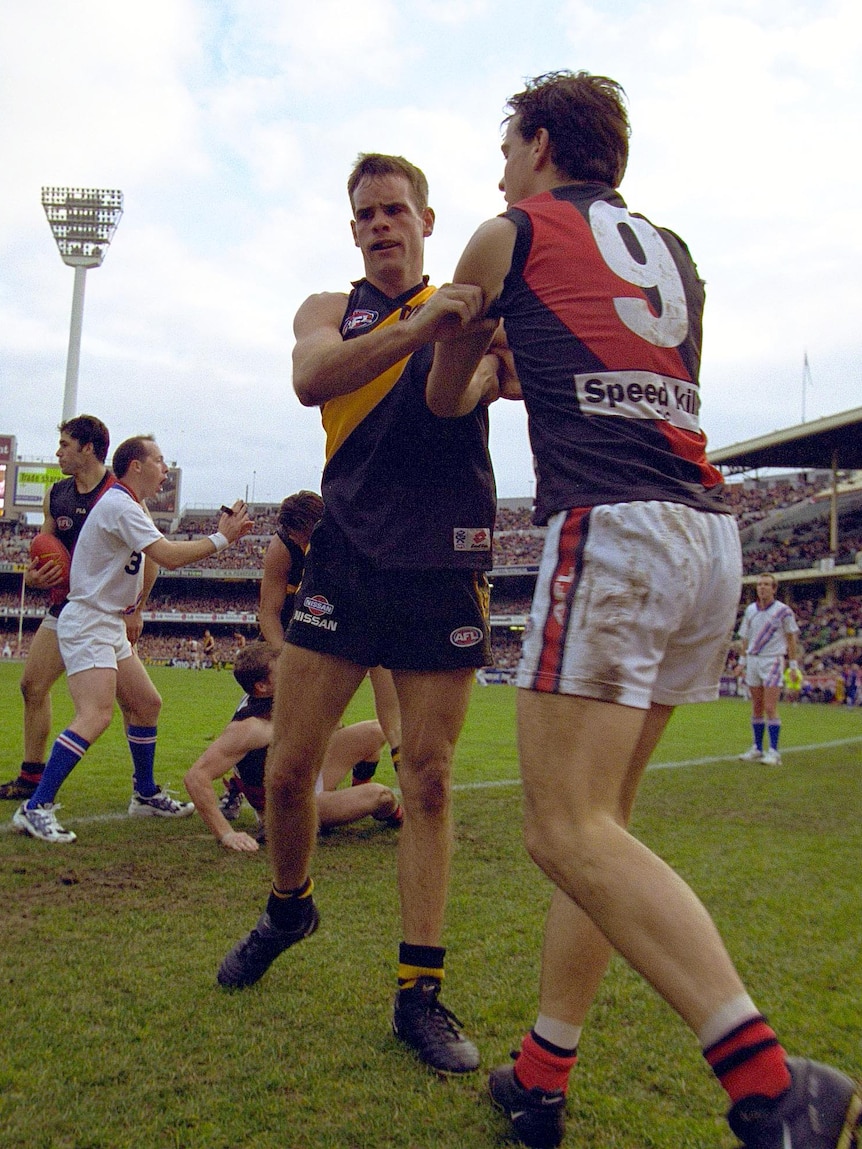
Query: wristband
<point x="219" y="541"/>
<point x="794" y="665"/>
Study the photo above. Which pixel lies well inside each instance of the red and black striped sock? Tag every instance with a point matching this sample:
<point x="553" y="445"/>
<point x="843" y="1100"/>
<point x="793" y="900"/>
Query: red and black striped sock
<point x="749" y="1061"/>
<point x="32" y="772"/>
<point x="543" y="1065"/>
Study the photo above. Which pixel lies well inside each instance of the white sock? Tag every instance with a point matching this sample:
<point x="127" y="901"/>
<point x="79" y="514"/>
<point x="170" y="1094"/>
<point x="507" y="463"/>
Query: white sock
<point x="726" y="1018"/>
<point x="559" y="1033"/>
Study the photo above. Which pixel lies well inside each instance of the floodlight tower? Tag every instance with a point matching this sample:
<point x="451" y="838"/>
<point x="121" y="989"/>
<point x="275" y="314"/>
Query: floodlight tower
<point x="83" y="222"/>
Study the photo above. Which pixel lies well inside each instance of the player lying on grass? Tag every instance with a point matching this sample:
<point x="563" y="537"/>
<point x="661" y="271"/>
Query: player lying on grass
<point x="240" y="751"/>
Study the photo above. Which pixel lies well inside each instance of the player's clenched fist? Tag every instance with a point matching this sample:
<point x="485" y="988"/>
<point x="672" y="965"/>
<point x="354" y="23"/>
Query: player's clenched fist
<point x="450" y="309"/>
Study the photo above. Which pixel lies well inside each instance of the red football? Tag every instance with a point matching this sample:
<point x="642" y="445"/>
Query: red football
<point x="44" y="547"/>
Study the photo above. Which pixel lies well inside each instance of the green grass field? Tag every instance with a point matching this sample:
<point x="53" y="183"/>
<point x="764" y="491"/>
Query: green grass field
<point x="116" y="1036"/>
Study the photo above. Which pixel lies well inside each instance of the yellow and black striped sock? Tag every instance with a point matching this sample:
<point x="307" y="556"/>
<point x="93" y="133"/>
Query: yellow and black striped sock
<point x="288" y="908"/>
<point x="419" y="961"/>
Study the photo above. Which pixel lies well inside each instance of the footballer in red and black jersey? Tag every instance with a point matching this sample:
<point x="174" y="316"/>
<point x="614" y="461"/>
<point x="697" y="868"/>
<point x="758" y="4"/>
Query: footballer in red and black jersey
<point x="603" y="313"/>
<point x="69" y="508"/>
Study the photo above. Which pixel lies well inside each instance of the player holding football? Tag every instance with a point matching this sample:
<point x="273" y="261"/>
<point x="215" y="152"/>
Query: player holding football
<point x="633" y="608"/>
<point x="102" y="667"/>
<point x="768" y="630"/>
<point x="81" y="454"/>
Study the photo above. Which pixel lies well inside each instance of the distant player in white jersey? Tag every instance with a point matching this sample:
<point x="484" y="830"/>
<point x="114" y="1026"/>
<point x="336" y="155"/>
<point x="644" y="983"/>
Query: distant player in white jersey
<point x="102" y="667"/>
<point x="768" y="631"/>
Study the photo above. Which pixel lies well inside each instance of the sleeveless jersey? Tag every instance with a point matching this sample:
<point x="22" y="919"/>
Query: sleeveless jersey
<point x="250" y="766"/>
<point x="294" y="577"/>
<point x="603" y="313"/>
<point x="69" y="508"/>
<point x="409" y="490"/>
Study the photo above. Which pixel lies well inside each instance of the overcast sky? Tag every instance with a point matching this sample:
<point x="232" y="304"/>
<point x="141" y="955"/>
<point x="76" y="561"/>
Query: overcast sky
<point x="231" y="126"/>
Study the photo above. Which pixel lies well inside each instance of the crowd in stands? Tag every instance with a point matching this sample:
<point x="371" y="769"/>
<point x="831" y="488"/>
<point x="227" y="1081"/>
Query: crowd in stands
<point x="265" y="518"/>
<point x="505" y="648"/>
<point x="518" y="548"/>
<point x="751" y="503"/>
<point x="831" y="635"/>
<point x="178" y="597"/>
<point x="513" y="519"/>
<point x="519" y="543"/>
<point x="803" y="546"/>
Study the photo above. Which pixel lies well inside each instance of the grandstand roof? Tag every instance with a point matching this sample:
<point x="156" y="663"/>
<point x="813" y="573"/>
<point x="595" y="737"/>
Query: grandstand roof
<point x="835" y="440"/>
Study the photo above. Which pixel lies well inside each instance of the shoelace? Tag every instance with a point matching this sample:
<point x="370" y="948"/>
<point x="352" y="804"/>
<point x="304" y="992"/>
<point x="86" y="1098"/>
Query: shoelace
<point x="46" y="818"/>
<point x="440" y="1013"/>
<point x="163" y="797"/>
<point x="49" y="810"/>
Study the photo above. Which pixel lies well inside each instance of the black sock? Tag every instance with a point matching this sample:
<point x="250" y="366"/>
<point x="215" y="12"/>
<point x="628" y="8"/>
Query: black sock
<point x="288" y="909"/>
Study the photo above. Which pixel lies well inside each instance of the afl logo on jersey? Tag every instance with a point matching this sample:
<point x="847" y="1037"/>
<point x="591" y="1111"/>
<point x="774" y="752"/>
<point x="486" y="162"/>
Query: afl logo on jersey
<point x="64" y="523"/>
<point x="466" y="636"/>
<point x="318" y="605"/>
<point x="358" y="319"/>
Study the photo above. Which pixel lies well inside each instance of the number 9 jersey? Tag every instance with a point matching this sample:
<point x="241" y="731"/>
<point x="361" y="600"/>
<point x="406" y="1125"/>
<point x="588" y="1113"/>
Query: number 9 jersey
<point x="603" y="313"/>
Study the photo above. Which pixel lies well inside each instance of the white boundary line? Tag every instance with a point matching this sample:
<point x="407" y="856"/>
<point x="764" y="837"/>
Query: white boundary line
<point x="685" y="762"/>
<point x="6" y="827"/>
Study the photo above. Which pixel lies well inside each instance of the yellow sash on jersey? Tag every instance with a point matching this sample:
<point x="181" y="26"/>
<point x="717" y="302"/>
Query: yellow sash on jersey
<point x="344" y="413"/>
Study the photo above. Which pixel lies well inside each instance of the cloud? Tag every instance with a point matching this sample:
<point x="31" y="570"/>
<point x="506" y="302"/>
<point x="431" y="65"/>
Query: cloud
<point x="231" y="126"/>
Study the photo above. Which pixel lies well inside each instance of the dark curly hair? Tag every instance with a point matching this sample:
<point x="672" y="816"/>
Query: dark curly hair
<point x="586" y="120"/>
<point x="86" y="429"/>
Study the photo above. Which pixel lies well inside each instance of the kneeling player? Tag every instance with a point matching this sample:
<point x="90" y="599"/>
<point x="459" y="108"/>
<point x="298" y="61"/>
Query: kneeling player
<point x="240" y="750"/>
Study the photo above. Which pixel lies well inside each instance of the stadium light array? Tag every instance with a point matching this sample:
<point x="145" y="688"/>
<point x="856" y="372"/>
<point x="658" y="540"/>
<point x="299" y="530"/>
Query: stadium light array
<point x="83" y="222"/>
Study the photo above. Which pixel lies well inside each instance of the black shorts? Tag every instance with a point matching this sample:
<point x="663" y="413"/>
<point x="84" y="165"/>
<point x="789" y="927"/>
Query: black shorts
<point x="421" y="620"/>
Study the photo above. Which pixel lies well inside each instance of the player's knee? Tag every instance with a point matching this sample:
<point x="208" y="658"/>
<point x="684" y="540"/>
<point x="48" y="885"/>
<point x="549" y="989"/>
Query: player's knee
<point x="426" y="788"/>
<point x="34" y="690"/>
<point x="95" y="720"/>
<point x="553" y="840"/>
<point x="385" y="802"/>
<point x="289" y="774"/>
<point x="143" y="711"/>
<point x="151" y="711"/>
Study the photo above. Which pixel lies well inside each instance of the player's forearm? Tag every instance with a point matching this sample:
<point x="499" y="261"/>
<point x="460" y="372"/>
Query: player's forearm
<point x="324" y="373"/>
<point x="270" y="627"/>
<point x="151" y="573"/>
<point x="200" y="790"/>
<point x="456" y="383"/>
